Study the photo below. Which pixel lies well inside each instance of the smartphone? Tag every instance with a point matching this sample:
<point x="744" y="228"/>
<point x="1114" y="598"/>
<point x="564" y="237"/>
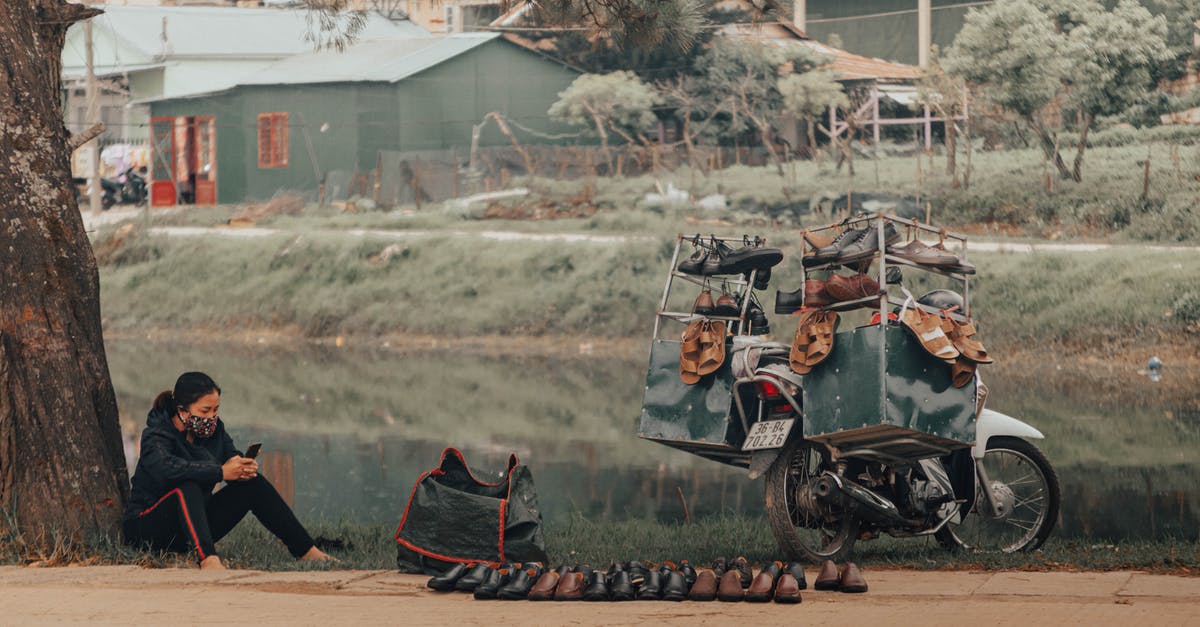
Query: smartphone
<point x="252" y="452"/>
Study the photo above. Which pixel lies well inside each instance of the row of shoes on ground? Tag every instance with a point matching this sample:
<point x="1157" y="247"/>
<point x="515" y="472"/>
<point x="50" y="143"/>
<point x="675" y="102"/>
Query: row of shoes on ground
<point x="949" y="340"/>
<point x="730" y="582"/>
<point x="856" y="248"/>
<point x="713" y="257"/>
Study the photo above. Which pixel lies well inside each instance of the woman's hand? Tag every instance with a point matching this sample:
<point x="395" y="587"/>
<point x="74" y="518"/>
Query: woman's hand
<point x="238" y="468"/>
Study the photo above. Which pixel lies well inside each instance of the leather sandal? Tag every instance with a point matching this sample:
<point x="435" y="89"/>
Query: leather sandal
<point x="690" y="350"/>
<point x="928" y="330"/>
<point x="962" y="334"/>
<point x="712" y="351"/>
<point x="962" y="371"/>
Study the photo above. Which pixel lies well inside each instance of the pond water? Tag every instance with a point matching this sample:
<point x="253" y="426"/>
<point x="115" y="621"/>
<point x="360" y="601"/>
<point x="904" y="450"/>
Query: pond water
<point x="346" y="432"/>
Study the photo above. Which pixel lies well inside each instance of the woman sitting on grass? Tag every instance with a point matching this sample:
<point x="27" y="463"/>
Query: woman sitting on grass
<point x="185" y="453"/>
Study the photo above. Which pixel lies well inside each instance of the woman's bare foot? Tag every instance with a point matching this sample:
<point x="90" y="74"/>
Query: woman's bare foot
<point x="317" y="555"/>
<point x="212" y="562"/>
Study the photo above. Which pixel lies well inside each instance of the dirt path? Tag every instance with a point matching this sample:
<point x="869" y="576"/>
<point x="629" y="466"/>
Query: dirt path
<point x="114" y="216"/>
<point x="132" y="595"/>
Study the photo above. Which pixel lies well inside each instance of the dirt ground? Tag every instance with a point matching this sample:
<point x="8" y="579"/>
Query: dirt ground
<point x="132" y="595"/>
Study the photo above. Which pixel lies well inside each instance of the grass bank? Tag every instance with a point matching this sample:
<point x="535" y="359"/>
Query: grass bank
<point x="1008" y="193"/>
<point x="600" y="543"/>
<point x="326" y="283"/>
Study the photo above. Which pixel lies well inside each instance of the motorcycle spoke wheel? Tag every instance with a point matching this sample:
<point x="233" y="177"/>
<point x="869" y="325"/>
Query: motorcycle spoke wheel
<point x="1026" y="489"/>
<point x="800" y="530"/>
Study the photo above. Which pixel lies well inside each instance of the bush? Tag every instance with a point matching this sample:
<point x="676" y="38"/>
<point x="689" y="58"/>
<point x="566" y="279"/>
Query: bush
<point x="1187" y="307"/>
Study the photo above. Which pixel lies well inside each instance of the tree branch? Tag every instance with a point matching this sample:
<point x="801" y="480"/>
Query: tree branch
<point x="79" y="139"/>
<point x="65" y="13"/>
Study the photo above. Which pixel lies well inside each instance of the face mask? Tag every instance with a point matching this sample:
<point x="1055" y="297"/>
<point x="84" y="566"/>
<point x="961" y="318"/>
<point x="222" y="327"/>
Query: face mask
<point x="200" y="427"/>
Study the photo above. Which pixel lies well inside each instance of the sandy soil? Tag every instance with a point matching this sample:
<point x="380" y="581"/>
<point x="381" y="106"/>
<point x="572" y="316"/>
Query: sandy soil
<point x="132" y="595"/>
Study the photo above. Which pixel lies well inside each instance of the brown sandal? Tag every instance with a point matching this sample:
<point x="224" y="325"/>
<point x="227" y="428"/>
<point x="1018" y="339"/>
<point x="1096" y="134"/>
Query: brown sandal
<point x="962" y="334"/>
<point x="928" y="330"/>
<point x="689" y="353"/>
<point x="712" y="342"/>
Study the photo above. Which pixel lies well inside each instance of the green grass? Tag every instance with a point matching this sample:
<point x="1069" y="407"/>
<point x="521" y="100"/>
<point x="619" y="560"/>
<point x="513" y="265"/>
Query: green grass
<point x="600" y="543"/>
<point x="326" y="283"/>
<point x="1007" y="190"/>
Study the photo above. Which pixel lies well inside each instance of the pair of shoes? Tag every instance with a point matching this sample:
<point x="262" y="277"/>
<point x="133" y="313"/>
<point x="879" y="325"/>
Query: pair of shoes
<point x="737" y="576"/>
<point x="496" y="578"/>
<point x="447" y="581"/>
<point x="564" y="584"/>
<point x="716" y="257"/>
<point x="813" y="341"/>
<point x="853" y="246"/>
<point x="817" y="293"/>
<point x="726" y="305"/>
<point x="520" y="583"/>
<point x="841" y="288"/>
<point x="849" y="580"/>
<point x="701" y="350"/>
<point x="936" y="256"/>
<point x="971" y="352"/>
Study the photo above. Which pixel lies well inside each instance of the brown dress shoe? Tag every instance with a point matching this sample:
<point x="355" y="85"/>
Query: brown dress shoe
<point x="828" y="578"/>
<point x="705" y="588"/>
<point x="763" y="587"/>
<point x="787" y="589"/>
<point x="842" y="288"/>
<point x="570" y="587"/>
<point x="731" y="587"/>
<point x="543" y="590"/>
<point x="852" y="580"/>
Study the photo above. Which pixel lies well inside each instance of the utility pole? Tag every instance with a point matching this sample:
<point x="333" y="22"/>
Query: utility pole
<point x="924" y="40"/>
<point x="93" y="112"/>
<point x="800" y="14"/>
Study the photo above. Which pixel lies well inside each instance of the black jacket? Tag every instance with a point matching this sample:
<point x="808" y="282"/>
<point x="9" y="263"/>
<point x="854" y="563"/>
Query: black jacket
<point x="168" y="459"/>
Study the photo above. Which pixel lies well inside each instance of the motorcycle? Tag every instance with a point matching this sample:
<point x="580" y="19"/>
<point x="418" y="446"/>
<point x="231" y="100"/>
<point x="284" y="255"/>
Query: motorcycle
<point x="127" y="188"/>
<point x="875" y="440"/>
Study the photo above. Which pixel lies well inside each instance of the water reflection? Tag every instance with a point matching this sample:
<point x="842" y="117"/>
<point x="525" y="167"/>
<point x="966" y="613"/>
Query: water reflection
<point x="347" y="432"/>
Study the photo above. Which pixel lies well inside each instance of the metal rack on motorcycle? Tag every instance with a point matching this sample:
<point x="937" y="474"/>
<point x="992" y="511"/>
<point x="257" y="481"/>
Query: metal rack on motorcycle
<point x="745" y="297"/>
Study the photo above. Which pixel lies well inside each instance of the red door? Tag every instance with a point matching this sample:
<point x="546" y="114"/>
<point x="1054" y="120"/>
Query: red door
<point x="204" y="159"/>
<point x="162" y="171"/>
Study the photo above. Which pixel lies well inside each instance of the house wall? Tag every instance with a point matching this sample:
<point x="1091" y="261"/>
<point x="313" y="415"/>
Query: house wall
<point x="891" y="37"/>
<point x="432" y="110"/>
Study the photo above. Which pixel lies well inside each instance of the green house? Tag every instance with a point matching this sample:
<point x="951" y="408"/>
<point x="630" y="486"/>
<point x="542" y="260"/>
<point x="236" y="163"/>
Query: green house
<point x="287" y="126"/>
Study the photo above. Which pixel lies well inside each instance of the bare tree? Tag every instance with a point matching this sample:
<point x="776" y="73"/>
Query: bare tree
<point x="62" y="465"/>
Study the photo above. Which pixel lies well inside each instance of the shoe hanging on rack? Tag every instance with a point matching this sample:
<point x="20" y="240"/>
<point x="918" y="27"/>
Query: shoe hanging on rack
<point x="695" y="263"/>
<point x="751" y="256"/>
<point x="813" y="294"/>
<point x="841" y="288"/>
<point x="829" y="253"/>
<point x="866" y="245"/>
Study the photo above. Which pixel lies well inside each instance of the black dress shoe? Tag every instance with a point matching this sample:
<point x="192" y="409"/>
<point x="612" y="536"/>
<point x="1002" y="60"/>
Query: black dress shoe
<point x="518" y="586"/>
<point x="637" y="572"/>
<point x="762" y="280"/>
<point x="651" y="588"/>
<point x="445" y="581"/>
<point x="749" y="257"/>
<point x="620" y="588"/>
<point x="597" y="588"/>
<point x="689" y="573"/>
<point x="675" y="588"/>
<point x="474" y="577"/>
<point x="758" y="321"/>
<point x="719" y="566"/>
<point x="695" y="263"/>
<point x="491" y="585"/>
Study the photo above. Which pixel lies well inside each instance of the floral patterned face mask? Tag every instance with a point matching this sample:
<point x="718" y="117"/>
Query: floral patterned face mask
<point x="200" y="427"/>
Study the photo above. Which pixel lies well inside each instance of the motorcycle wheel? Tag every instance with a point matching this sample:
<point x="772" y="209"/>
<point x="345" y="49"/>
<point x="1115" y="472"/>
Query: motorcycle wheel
<point x="801" y="534"/>
<point x="1027" y="488"/>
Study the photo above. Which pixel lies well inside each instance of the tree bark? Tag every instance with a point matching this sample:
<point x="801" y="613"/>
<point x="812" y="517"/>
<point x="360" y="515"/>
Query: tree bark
<point x="62" y="463"/>
<point x="1050" y="148"/>
<point x="1077" y="169"/>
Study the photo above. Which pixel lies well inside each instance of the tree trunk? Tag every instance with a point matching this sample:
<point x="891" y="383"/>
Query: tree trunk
<point x="951" y="150"/>
<point x="62" y="464"/>
<point x="1050" y="148"/>
<point x="1077" y="169"/>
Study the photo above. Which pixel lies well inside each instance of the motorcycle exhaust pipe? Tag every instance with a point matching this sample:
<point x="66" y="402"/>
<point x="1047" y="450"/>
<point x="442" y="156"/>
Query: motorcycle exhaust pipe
<point x="832" y="489"/>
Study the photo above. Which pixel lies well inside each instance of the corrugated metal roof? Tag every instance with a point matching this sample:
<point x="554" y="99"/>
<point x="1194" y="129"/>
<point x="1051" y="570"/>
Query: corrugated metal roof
<point x="226" y="32"/>
<point x="855" y="67"/>
<point x="385" y="61"/>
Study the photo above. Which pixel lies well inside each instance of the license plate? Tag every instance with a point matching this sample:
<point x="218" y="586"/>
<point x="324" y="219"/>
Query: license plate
<point x="768" y="434"/>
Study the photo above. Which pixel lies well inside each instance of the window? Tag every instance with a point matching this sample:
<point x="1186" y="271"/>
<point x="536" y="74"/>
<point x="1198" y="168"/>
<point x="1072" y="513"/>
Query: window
<point x="272" y="140"/>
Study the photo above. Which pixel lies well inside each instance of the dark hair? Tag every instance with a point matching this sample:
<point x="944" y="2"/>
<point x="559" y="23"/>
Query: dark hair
<point x="189" y="387"/>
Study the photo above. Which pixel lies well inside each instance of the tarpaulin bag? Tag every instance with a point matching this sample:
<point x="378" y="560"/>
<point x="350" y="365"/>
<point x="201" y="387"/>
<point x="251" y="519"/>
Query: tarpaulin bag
<point x="452" y="517"/>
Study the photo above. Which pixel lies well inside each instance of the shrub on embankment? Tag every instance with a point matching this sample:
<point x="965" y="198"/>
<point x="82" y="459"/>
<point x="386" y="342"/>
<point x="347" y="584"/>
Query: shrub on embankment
<point x="331" y="283"/>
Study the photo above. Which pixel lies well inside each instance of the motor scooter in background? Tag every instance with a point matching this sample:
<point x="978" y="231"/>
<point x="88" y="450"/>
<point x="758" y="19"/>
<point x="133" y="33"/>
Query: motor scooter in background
<point x="127" y="188"/>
